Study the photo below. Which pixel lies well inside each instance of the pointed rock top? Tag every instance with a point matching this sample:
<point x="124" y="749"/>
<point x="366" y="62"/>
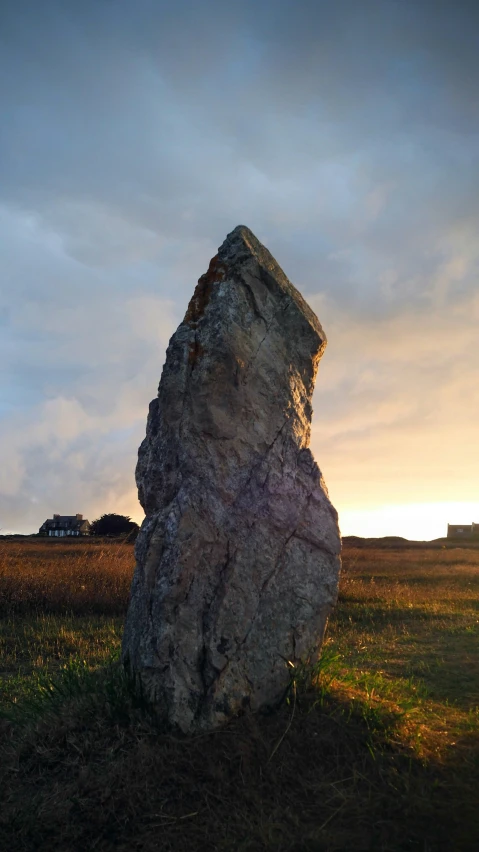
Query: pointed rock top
<point x="241" y="243"/>
<point x="241" y="246"/>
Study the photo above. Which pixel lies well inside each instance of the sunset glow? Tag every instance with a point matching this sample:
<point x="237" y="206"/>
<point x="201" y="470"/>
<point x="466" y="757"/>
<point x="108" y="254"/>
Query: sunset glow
<point x="419" y="522"/>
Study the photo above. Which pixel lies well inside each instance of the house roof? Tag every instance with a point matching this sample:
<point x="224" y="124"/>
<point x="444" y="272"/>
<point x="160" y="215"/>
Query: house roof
<point x="65" y="522"/>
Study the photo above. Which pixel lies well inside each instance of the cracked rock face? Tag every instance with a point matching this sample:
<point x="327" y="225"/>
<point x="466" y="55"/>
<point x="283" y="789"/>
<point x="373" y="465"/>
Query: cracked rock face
<point x="238" y="556"/>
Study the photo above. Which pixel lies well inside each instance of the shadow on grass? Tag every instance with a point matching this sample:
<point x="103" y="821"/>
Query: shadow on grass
<point x="85" y="766"/>
<point x="441" y="649"/>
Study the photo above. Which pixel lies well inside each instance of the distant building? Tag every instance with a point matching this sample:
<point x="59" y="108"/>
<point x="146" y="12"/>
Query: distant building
<point x="463" y="530"/>
<point x="61" y="525"/>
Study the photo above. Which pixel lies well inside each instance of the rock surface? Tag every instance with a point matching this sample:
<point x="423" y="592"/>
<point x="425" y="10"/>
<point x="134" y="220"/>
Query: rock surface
<point x="238" y="556"/>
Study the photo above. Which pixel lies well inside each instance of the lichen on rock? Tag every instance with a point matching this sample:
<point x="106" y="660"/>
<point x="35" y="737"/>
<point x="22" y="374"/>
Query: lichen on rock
<point x="239" y="554"/>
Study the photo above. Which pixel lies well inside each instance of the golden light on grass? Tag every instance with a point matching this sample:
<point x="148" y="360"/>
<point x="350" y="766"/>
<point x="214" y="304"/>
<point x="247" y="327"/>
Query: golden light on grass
<point x="65" y="576"/>
<point x="406" y="630"/>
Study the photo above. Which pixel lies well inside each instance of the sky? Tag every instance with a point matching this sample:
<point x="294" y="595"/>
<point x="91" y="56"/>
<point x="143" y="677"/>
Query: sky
<point x="136" y="134"/>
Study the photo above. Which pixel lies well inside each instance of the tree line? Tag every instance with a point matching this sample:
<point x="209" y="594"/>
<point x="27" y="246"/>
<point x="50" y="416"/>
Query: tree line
<point x="112" y="525"/>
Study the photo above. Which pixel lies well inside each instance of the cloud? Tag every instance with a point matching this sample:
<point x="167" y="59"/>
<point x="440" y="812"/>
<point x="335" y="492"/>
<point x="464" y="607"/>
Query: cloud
<point x="80" y="359"/>
<point x="136" y="135"/>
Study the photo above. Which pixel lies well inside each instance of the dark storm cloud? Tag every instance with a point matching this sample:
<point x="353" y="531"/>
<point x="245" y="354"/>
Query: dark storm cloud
<point x="134" y="136"/>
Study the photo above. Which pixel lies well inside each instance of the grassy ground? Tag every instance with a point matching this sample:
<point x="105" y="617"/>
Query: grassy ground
<point x="379" y="752"/>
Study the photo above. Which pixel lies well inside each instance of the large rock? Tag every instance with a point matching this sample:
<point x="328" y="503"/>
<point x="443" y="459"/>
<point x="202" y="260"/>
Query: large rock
<point x="238" y="556"/>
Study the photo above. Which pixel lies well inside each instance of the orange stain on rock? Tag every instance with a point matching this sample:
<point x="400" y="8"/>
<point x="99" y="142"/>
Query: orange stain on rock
<point x="201" y="296"/>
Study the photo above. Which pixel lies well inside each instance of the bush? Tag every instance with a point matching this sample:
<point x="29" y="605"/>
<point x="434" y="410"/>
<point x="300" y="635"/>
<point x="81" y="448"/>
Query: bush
<point x="115" y="525"/>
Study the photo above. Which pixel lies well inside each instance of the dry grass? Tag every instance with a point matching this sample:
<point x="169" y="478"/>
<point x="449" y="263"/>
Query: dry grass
<point x="61" y="601"/>
<point x="379" y="752"/>
<point x="61" y="576"/>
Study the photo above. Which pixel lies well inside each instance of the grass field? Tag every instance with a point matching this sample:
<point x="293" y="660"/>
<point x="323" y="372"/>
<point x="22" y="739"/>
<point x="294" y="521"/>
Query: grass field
<point x="380" y="751"/>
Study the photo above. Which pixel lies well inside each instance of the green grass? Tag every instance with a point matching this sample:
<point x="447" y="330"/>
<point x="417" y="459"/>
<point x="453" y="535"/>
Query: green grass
<point x="33" y="649"/>
<point x="406" y="630"/>
<point x="375" y="749"/>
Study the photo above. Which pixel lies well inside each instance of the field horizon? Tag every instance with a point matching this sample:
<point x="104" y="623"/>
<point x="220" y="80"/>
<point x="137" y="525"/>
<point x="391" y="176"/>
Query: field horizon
<point x="347" y="540"/>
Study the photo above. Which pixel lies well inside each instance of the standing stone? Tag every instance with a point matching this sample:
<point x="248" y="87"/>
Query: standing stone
<point x="238" y="556"/>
